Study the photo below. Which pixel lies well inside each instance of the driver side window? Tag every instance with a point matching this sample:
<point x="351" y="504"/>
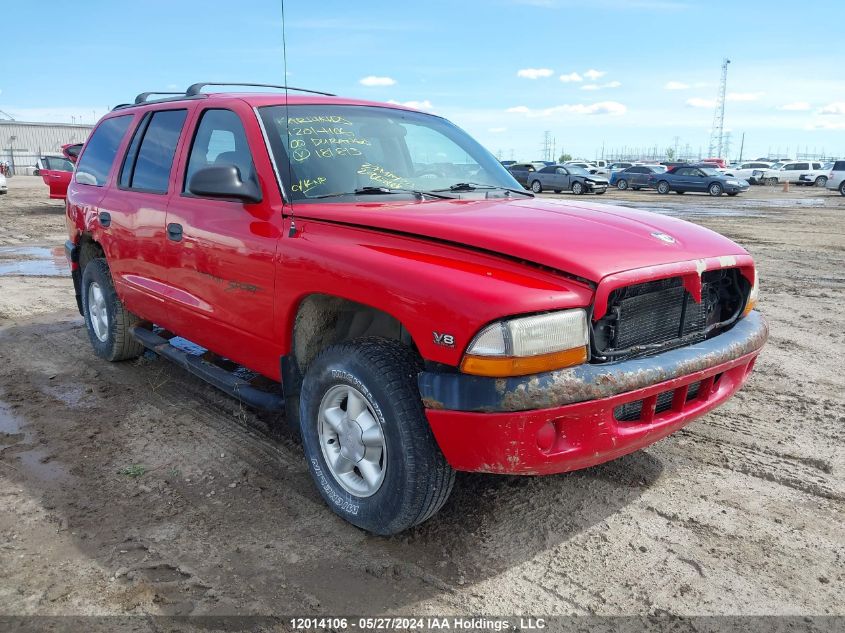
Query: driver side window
<point x="220" y="140"/>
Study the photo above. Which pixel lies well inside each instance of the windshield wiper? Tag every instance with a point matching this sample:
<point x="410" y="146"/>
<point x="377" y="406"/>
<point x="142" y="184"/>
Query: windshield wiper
<point x="472" y="186"/>
<point x="368" y="191"/>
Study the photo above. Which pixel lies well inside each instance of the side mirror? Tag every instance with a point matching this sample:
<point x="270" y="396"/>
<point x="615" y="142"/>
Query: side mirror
<point x="223" y="181"/>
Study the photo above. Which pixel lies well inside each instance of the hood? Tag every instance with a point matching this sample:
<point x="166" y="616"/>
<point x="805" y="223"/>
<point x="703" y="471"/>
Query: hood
<point x="583" y="239"/>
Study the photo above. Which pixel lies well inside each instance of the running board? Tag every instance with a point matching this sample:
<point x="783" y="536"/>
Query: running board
<point x="213" y="374"/>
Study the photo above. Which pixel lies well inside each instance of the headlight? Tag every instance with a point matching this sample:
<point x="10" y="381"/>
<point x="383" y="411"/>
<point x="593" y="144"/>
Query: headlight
<point x="589" y="181"/>
<point x="528" y="345"/>
<point x="752" y="296"/>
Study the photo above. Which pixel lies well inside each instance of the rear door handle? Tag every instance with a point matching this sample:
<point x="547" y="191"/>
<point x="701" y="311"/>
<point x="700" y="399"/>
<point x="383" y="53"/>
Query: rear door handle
<point x="174" y="232"/>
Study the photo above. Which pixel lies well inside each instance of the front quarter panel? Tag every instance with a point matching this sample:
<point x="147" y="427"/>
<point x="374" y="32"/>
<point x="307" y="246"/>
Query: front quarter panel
<point x="429" y="287"/>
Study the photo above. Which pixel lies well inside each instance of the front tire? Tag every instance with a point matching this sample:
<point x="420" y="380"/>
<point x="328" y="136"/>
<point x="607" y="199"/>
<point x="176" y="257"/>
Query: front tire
<point x="577" y="188"/>
<point x="771" y="181"/>
<point x="622" y="184"/>
<point x="662" y="187"/>
<point x="536" y="187"/>
<point x="368" y="444"/>
<point x="106" y="320"/>
<point x="715" y="190"/>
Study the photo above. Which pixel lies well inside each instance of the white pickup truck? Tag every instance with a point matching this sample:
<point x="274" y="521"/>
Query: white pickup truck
<point x="785" y="172"/>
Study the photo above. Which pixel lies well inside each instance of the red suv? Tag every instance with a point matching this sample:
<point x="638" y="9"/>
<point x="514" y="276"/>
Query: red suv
<point x="379" y="276"/>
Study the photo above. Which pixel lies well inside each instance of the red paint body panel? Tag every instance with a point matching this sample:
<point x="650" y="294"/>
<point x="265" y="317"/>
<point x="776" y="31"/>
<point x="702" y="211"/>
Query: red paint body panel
<point x="57" y="180"/>
<point x="578" y="435"/>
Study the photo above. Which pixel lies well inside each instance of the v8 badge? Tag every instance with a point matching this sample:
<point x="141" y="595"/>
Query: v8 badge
<point x="446" y="340"/>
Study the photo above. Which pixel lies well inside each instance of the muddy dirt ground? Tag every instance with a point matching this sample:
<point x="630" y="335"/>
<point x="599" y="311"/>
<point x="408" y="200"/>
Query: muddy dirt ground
<point x="134" y="488"/>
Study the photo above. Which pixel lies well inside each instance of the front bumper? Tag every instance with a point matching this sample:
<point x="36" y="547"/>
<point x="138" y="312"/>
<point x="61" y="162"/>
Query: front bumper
<point x="565" y="420"/>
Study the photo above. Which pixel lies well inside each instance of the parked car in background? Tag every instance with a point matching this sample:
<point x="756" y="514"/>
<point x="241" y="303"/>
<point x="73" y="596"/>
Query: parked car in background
<point x="635" y="177"/>
<point x="567" y="178"/>
<point x="618" y="165"/>
<point x="691" y="179"/>
<point x="56" y="172"/>
<point x="836" y="177"/>
<point x="586" y="166"/>
<point x="718" y="163"/>
<point x="522" y="171"/>
<point x="3" y="186"/>
<point x="785" y="172"/>
<point x="816" y="177"/>
<point x="746" y="170"/>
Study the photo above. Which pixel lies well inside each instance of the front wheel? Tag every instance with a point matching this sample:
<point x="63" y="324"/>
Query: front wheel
<point x="366" y="438"/>
<point x="663" y="187"/>
<point x="577" y="188"/>
<point x="106" y="319"/>
<point x="536" y="187"/>
<point x="716" y="190"/>
<point x="622" y="184"/>
<point x="821" y="181"/>
<point x="771" y="181"/>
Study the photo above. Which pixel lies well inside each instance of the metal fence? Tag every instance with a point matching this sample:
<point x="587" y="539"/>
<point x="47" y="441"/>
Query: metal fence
<point x="23" y="163"/>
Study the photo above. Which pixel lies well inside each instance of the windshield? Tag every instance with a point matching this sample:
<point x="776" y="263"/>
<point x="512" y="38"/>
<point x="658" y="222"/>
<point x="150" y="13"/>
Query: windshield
<point x="338" y="149"/>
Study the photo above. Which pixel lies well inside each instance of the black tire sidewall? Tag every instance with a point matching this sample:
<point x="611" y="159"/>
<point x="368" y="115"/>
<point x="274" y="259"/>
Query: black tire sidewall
<point x="96" y="271"/>
<point x="385" y="510"/>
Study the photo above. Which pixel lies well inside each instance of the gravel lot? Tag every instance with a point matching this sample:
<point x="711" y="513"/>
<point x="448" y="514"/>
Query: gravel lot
<point x="740" y="513"/>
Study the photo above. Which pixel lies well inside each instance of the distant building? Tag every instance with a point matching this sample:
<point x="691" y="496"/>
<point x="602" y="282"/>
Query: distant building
<point x="23" y="142"/>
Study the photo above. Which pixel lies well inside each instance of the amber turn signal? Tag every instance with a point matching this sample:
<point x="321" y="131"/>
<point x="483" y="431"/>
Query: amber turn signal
<point x="502" y="367"/>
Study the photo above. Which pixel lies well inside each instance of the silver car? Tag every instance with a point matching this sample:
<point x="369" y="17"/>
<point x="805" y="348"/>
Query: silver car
<point x="836" y="177"/>
<point x="567" y="178"/>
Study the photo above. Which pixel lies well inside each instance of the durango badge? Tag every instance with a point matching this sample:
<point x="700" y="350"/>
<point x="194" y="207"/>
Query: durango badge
<point x="663" y="237"/>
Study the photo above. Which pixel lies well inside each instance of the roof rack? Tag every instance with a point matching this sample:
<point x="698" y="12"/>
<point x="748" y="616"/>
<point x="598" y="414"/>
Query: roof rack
<point x="142" y="98"/>
<point x="196" y="89"/>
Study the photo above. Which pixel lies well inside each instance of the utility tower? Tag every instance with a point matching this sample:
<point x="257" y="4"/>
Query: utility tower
<point x="547" y="145"/>
<point x="715" y="150"/>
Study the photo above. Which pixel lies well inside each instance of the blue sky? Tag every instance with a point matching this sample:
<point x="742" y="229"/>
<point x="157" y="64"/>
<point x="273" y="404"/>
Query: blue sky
<point x="618" y="73"/>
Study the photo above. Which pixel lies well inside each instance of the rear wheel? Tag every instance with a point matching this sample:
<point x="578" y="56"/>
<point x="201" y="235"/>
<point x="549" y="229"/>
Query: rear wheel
<point x="536" y="187"/>
<point x="821" y="181"/>
<point x="577" y="188"/>
<point x="622" y="184"/>
<point x="842" y="188"/>
<point x="662" y="187"/>
<point x="106" y="319"/>
<point x="368" y="443"/>
<point x="715" y="190"/>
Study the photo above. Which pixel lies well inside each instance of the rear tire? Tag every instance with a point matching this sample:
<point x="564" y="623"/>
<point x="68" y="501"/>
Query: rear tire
<point x="622" y="184"/>
<point x="536" y="187"/>
<point x="821" y="181"/>
<point x="842" y="188"/>
<point x="106" y="320"/>
<point x="662" y="187"/>
<point x="387" y="472"/>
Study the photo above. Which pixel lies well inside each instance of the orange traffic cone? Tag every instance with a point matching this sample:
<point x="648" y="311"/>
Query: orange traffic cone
<point x="786" y="186"/>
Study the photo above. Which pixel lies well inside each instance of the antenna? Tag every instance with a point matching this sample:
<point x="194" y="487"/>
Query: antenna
<point x="716" y="140"/>
<point x="292" y="230"/>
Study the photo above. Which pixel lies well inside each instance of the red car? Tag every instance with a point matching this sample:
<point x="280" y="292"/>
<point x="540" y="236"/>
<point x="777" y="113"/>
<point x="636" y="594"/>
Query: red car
<point x="56" y="171"/>
<point x="375" y="273"/>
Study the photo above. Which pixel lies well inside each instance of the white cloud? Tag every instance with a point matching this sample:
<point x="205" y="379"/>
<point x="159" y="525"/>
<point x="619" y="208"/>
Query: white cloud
<point x="535" y="73"/>
<point x="571" y="77"/>
<point x="796" y="106"/>
<point x="610" y="84"/>
<point x="592" y="74"/>
<point x="837" y="107"/>
<point x="675" y="85"/>
<point x="612" y="108"/>
<point x="416" y="105"/>
<point x="497" y="130"/>
<point x="372" y="80"/>
<point x="743" y="96"/>
<point x="698" y="102"/>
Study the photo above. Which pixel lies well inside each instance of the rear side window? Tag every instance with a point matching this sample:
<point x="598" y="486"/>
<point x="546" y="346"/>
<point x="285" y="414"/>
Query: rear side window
<point x="839" y="165"/>
<point x="220" y="140"/>
<point x="150" y="157"/>
<point x="96" y="161"/>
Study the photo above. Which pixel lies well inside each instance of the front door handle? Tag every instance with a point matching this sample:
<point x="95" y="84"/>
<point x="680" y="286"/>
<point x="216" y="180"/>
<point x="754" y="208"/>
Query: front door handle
<point x="174" y="232"/>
